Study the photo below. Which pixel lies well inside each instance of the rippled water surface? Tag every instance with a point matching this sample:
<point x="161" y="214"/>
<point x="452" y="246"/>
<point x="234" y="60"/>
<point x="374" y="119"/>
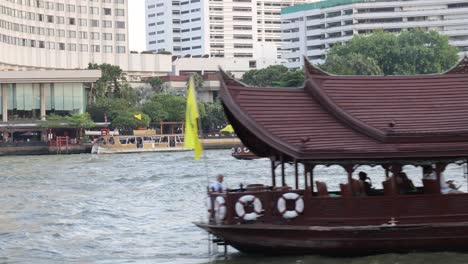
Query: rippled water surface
<point x="136" y="209"/>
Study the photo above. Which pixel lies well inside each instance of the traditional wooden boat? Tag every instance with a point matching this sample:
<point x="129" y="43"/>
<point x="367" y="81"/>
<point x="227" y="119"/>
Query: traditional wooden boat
<point x="243" y="153"/>
<point x="387" y="121"/>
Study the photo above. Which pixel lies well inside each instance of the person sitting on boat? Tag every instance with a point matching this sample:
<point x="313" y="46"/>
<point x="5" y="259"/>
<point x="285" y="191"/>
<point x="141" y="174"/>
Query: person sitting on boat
<point x="405" y="185"/>
<point x="217" y="186"/>
<point x="446" y="187"/>
<point x="366" y="181"/>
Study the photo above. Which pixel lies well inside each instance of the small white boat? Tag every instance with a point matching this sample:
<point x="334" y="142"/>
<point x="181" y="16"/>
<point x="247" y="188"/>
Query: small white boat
<point x="139" y="144"/>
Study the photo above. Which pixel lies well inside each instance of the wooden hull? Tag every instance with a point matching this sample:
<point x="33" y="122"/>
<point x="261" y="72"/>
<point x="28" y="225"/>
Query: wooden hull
<point x="342" y="241"/>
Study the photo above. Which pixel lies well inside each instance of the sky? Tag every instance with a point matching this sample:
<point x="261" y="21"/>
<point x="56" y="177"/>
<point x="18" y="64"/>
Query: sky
<point x="136" y="17"/>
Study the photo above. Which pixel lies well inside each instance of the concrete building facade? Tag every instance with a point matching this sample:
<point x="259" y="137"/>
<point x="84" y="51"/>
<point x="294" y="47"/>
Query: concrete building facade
<point x="216" y="28"/>
<point x="69" y="34"/>
<point x="311" y="29"/>
<point x="31" y="95"/>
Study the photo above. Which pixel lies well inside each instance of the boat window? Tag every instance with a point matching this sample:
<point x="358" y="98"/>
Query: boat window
<point x="371" y="178"/>
<point x="457" y="173"/>
<point x="333" y="176"/>
<point x="123" y="141"/>
<point x="111" y="141"/>
<point x="414" y="174"/>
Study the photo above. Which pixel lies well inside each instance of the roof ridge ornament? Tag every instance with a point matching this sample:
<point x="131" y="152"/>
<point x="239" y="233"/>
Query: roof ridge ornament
<point x="311" y="69"/>
<point x="229" y="80"/>
<point x="461" y="67"/>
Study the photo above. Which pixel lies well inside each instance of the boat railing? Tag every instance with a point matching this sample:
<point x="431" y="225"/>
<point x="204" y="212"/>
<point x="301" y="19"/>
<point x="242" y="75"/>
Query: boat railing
<point x="333" y="210"/>
<point x="253" y="205"/>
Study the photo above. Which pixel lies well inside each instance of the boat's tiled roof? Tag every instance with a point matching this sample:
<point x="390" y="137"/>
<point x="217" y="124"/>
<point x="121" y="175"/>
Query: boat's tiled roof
<point x="354" y="116"/>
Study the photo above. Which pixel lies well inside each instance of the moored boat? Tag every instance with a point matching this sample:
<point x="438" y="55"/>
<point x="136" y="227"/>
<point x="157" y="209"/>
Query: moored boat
<point x="385" y="121"/>
<point x="242" y="153"/>
<point x="139" y="144"/>
<point x="141" y="141"/>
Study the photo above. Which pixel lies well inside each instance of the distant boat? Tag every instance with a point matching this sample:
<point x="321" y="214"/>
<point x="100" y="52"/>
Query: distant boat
<point x="146" y="140"/>
<point x="243" y="153"/>
<point x="138" y="144"/>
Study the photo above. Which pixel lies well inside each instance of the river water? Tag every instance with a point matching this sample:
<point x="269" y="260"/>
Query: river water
<point x="138" y="208"/>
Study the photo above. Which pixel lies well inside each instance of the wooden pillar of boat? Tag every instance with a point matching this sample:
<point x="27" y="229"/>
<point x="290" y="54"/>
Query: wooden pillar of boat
<point x="349" y="170"/>
<point x="283" y="180"/>
<point x="311" y="173"/>
<point x="386" y="171"/>
<point x="396" y="168"/>
<point x="439" y="169"/>
<point x="273" y="174"/>
<point x="306" y="184"/>
<point x="296" y="174"/>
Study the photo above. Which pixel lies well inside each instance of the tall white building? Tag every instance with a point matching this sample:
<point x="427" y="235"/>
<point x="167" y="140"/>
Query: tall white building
<point x="311" y="29"/>
<point x="216" y="28"/>
<point x="69" y="34"/>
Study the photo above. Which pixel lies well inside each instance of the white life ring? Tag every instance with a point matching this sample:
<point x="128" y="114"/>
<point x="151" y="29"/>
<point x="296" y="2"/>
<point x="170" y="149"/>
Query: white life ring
<point x="298" y="208"/>
<point x="233" y="150"/>
<point x="243" y="201"/>
<point x="220" y="208"/>
<point x="239" y="150"/>
<point x="246" y="150"/>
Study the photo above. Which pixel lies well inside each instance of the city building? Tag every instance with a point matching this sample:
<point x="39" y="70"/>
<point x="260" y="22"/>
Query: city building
<point x="311" y="29"/>
<point x="59" y="34"/>
<point x="207" y="28"/>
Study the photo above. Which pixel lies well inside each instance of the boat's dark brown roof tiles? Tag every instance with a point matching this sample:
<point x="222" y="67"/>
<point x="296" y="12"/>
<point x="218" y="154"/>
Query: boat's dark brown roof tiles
<point x="335" y="117"/>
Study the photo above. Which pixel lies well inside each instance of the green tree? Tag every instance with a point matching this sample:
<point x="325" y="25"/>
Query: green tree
<point x="126" y="121"/>
<point x="408" y="53"/>
<point x="165" y="107"/>
<point x="274" y="76"/>
<point x="197" y="81"/>
<point x="110" y="83"/>
<point x="156" y="83"/>
<point x="81" y="121"/>
<point x="214" y="116"/>
<point x="352" y="64"/>
<point x="109" y="107"/>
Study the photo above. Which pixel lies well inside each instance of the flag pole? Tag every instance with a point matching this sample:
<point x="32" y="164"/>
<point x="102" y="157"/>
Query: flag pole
<point x="194" y="127"/>
<point x="200" y="133"/>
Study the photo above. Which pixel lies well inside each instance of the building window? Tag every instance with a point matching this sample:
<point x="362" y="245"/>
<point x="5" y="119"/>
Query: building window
<point x="119" y="24"/>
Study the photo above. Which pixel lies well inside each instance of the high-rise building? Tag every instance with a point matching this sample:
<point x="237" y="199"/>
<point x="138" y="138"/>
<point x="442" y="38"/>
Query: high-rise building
<point x="69" y="34"/>
<point x="311" y="29"/>
<point x="216" y="28"/>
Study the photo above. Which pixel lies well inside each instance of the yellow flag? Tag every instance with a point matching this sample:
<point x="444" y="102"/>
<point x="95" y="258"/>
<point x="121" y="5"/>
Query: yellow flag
<point x="138" y="116"/>
<point x="191" y="140"/>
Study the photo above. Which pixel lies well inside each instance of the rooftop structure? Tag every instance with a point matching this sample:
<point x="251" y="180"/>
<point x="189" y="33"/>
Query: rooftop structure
<point x="311" y="29"/>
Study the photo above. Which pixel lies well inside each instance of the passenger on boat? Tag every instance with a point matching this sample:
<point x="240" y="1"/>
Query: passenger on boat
<point x="405" y="185"/>
<point x="366" y="181"/>
<point x="217" y="186"/>
<point x="446" y="187"/>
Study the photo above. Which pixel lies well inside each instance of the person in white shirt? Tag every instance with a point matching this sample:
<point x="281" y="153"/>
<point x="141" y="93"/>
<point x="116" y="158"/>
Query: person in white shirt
<point x="217" y="186"/>
<point x="446" y="187"/>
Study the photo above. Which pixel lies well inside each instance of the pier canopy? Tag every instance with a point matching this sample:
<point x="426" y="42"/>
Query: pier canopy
<point x="354" y="117"/>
